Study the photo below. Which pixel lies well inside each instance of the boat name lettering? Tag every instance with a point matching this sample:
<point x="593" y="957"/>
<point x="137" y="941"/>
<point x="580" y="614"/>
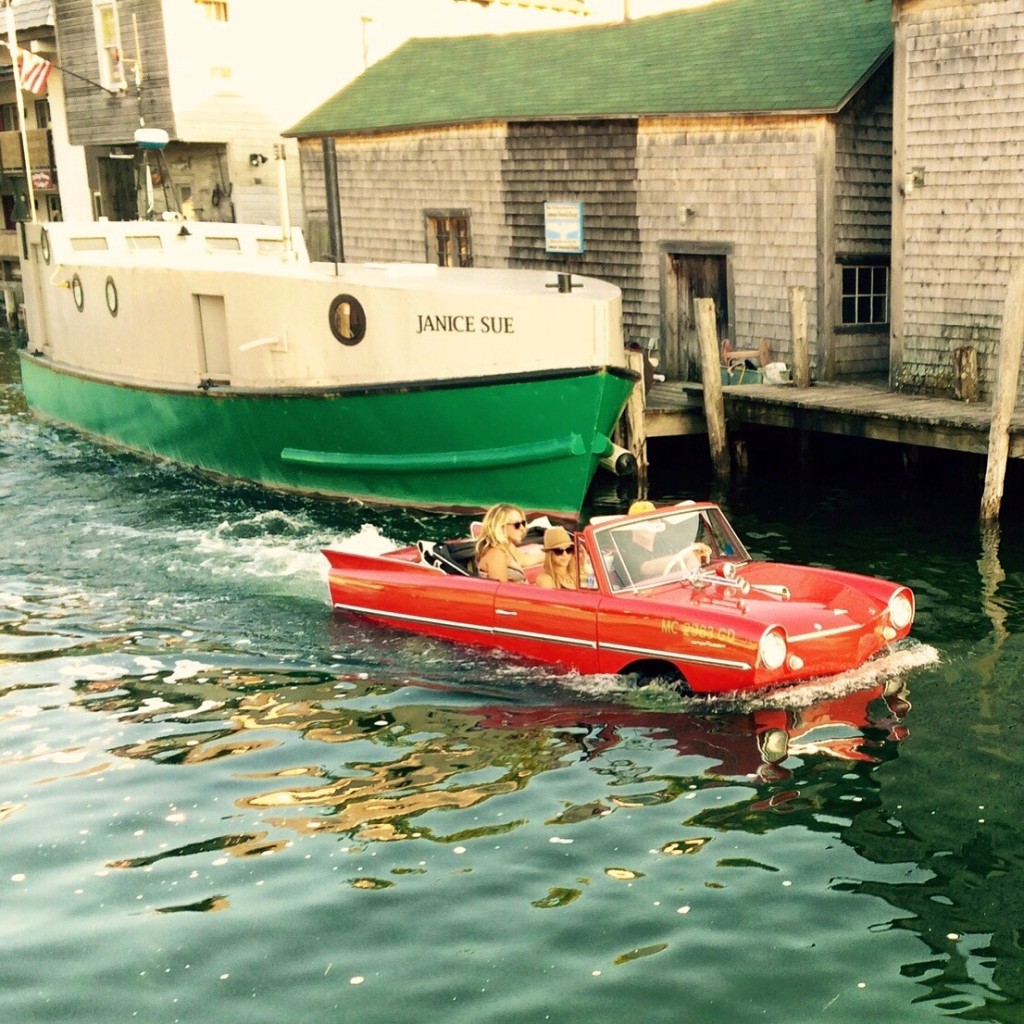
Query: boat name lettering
<point x="694" y="629"/>
<point x="462" y="323"/>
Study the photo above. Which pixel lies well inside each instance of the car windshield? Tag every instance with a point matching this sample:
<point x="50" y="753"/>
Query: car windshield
<point x="645" y="551"/>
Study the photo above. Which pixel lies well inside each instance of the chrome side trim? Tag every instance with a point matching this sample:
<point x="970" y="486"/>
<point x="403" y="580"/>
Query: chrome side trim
<point x="468" y="627"/>
<point x="820" y="633"/>
<point x="696" y="659"/>
<point x="425" y="619"/>
<point x="570" y="641"/>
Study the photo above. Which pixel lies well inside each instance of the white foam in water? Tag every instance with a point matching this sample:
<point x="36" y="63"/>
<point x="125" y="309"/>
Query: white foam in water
<point x="894" y="664"/>
<point x="273" y="545"/>
<point x="368" y="541"/>
<point x="897" y="662"/>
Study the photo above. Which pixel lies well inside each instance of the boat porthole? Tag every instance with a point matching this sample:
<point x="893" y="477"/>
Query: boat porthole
<point x="77" y="294"/>
<point x="111" y="296"/>
<point x="347" y="319"/>
<point x="44" y="245"/>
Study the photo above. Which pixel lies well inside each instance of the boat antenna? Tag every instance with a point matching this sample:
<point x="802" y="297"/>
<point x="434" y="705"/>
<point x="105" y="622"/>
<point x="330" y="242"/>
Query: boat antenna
<point x="282" y="192"/>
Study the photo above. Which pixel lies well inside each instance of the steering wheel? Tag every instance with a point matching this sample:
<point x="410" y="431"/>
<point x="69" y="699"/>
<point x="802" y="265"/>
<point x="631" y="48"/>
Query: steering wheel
<point x="676" y="562"/>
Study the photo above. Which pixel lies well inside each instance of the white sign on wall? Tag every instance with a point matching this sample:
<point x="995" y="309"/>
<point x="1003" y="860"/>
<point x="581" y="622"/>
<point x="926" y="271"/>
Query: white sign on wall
<point x="563" y="227"/>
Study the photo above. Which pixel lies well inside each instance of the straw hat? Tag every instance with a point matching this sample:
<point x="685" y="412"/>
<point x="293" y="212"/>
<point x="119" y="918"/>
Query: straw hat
<point x="556" y="537"/>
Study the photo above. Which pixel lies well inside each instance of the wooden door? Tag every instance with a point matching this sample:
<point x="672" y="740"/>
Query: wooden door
<point x="118" y="193"/>
<point x="689" y="277"/>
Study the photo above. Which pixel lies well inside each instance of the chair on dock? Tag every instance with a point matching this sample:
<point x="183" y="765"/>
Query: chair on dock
<point x="745" y="358"/>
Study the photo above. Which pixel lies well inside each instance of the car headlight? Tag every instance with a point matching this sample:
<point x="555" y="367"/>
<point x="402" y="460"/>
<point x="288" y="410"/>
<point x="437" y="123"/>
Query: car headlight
<point x="901" y="609"/>
<point x="772" y="649"/>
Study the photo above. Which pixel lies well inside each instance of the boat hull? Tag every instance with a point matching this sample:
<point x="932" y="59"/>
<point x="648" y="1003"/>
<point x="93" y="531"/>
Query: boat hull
<point x="532" y="439"/>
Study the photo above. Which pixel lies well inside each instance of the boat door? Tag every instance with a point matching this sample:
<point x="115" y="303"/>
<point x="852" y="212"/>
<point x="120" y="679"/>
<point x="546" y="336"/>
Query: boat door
<point x="214" y="359"/>
<point x="687" y="276"/>
<point x="551" y="625"/>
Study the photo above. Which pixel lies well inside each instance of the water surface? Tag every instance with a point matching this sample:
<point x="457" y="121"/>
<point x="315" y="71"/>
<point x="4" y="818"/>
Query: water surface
<point x="218" y="801"/>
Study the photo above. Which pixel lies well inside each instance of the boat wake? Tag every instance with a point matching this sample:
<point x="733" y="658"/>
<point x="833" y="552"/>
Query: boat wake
<point x="890" y="668"/>
<point x="276" y="545"/>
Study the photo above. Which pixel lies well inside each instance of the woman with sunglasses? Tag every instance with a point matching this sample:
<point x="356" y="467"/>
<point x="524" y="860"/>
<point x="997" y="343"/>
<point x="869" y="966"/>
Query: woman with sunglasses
<point x="559" y="561"/>
<point x="497" y="558"/>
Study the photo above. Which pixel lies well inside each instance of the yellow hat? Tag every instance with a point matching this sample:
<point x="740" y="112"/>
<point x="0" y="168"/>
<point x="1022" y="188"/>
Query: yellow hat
<point x="557" y="537"/>
<point x="638" y="508"/>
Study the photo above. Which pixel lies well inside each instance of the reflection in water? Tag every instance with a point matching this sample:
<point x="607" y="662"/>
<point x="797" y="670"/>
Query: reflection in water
<point x="992" y="576"/>
<point x="427" y="757"/>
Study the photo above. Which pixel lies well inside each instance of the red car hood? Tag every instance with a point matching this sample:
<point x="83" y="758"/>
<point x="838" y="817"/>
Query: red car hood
<point x="804" y="600"/>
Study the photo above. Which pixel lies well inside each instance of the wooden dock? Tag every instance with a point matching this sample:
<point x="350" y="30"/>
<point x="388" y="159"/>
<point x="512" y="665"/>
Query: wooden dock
<point x="862" y="410"/>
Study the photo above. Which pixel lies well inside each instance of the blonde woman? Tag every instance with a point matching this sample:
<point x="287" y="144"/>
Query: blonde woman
<point x="559" y="561"/>
<point x="504" y="528"/>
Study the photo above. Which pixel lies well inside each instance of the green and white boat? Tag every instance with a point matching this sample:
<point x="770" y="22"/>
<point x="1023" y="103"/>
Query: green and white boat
<point x="223" y="347"/>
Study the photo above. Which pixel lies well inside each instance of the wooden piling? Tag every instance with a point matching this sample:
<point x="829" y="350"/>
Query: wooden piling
<point x="711" y="374"/>
<point x="635" y="418"/>
<point x="965" y="373"/>
<point x="1011" y="342"/>
<point x="798" y="333"/>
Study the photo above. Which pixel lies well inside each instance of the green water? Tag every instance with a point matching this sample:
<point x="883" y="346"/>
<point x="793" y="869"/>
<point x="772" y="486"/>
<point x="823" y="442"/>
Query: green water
<point x="218" y="802"/>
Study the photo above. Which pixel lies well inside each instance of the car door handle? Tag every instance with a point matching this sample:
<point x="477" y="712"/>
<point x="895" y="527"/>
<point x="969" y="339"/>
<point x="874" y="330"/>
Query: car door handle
<point x="504" y="611"/>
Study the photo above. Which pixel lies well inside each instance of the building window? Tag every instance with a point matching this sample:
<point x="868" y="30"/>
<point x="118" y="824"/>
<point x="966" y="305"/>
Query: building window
<point x="448" y="240"/>
<point x="42" y="113"/>
<point x="215" y="10"/>
<point x="108" y="45"/>
<point x="8" y="117"/>
<point x="865" y="294"/>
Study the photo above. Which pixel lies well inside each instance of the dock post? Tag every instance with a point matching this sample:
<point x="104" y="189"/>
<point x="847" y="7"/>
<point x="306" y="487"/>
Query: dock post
<point x="798" y="330"/>
<point x="711" y="374"/>
<point x="1011" y="341"/>
<point x="965" y="373"/>
<point x="636" y="425"/>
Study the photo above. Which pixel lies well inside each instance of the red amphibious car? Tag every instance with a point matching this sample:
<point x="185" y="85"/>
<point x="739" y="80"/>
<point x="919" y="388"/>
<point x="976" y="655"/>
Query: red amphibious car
<point x="734" y="624"/>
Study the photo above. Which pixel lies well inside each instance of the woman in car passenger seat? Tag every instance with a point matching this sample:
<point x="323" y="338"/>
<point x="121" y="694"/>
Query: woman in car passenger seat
<point x="559" y="560"/>
<point x="504" y="528"/>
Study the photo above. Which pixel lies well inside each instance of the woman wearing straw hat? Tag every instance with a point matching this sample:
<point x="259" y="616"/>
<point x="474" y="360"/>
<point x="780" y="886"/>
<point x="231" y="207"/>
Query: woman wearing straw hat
<point x="559" y="560"/>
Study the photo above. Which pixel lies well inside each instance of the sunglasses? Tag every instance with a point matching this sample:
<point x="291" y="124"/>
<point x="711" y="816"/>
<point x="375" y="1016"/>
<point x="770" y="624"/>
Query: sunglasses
<point x="517" y="524"/>
<point x="560" y="551"/>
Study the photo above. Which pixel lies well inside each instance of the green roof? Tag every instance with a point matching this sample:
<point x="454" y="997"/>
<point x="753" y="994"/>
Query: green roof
<point x="732" y="56"/>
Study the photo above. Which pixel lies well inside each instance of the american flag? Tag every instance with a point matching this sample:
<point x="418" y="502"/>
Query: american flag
<point x="34" y="71"/>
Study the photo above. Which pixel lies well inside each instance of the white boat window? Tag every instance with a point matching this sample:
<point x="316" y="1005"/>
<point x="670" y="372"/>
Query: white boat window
<point x="144" y="242"/>
<point x="220" y="244"/>
<point x="347" y="319"/>
<point x="269" y="246"/>
<point x="89" y="244"/>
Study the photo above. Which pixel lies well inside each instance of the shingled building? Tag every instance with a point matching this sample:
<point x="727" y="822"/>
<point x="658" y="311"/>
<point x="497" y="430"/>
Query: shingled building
<point x="735" y="150"/>
<point x="958" y="205"/>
